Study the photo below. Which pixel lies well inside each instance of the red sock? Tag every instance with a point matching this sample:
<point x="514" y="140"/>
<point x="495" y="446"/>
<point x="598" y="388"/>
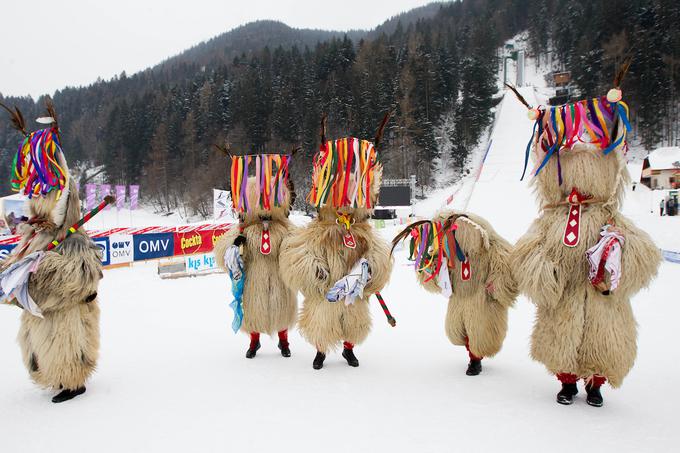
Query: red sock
<point x="567" y="378"/>
<point x="347" y="345"/>
<point x="596" y="381"/>
<point x="283" y="337"/>
<point x="470" y="354"/>
<point x="254" y="339"/>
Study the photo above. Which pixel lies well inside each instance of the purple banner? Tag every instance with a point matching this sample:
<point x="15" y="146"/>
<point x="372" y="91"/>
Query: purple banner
<point x="90" y="196"/>
<point x="104" y="190"/>
<point x="134" y="197"/>
<point x="120" y="197"/>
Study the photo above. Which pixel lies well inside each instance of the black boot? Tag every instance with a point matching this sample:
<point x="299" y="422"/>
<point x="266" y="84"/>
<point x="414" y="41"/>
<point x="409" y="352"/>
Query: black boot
<point x="285" y="348"/>
<point x="594" y="397"/>
<point x="567" y="394"/>
<point x="348" y="354"/>
<point x="252" y="351"/>
<point x="318" y="360"/>
<point x="474" y="368"/>
<point x="66" y="395"/>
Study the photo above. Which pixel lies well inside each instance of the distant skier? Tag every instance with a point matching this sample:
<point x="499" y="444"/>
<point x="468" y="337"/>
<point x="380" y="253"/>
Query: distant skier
<point x="460" y="256"/>
<point x="250" y="251"/>
<point x="581" y="261"/>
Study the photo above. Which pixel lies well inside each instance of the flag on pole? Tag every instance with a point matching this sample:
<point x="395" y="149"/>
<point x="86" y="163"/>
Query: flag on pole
<point x="221" y="203"/>
<point x="104" y="190"/>
<point x="120" y="197"/>
<point x="90" y="196"/>
<point x="134" y="197"/>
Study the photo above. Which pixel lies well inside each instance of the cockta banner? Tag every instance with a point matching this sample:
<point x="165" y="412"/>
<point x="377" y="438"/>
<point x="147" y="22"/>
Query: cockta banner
<point x="126" y="245"/>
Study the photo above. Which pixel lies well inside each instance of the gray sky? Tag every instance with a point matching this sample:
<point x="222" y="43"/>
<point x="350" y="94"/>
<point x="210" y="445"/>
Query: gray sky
<point x="73" y="42"/>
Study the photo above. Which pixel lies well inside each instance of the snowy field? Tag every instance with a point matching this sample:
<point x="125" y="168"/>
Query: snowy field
<point x="173" y="377"/>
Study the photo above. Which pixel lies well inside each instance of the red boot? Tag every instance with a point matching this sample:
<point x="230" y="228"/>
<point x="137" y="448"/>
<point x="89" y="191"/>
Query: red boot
<point x="254" y="345"/>
<point x="475" y="365"/>
<point x="283" y="343"/>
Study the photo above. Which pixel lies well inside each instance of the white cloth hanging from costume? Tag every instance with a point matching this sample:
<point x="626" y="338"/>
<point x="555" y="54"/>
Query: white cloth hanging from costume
<point x="351" y="285"/>
<point x="234" y="262"/>
<point x="444" y="282"/>
<point x="608" y="249"/>
<point x="14" y="282"/>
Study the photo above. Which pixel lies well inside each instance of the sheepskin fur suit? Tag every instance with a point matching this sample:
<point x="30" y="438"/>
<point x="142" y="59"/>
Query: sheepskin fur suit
<point x="268" y="305"/>
<point x="477" y="315"/>
<point x="61" y="350"/>
<point x="578" y="330"/>
<point x="314" y="258"/>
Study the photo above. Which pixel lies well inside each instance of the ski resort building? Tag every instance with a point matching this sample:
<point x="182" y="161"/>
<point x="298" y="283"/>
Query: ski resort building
<point x="661" y="169"/>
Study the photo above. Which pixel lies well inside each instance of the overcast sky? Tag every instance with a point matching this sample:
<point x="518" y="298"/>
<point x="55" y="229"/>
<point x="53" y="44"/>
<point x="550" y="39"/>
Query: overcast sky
<point x="49" y="44"/>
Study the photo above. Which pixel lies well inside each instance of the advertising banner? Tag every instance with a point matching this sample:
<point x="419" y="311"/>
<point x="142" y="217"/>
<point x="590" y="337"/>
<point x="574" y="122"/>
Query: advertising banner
<point x="5" y="250"/>
<point x="151" y="246"/>
<point x="200" y="263"/>
<point x="103" y="244"/>
<point x="121" y="248"/>
<point x="191" y="242"/>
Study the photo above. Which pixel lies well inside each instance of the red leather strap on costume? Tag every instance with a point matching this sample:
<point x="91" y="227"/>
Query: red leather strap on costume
<point x="347" y="345"/>
<point x="572" y="230"/>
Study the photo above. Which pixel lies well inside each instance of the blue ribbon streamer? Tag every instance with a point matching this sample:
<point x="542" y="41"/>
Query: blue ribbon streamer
<point x="626" y="123"/>
<point x="526" y="153"/>
<point x="552" y="148"/>
<point x="237" y="303"/>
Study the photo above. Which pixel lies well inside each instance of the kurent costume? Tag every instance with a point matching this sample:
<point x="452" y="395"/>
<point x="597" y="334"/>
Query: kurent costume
<point x="337" y="261"/>
<point x="54" y="271"/>
<point x="460" y="256"/>
<point x="581" y="261"/>
<point x="250" y="252"/>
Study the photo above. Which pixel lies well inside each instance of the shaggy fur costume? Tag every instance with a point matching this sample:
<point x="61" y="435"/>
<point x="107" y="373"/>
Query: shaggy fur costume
<point x="314" y="258"/>
<point x="62" y="349"/>
<point x="578" y="330"/>
<point x="268" y="306"/>
<point x="478" y="308"/>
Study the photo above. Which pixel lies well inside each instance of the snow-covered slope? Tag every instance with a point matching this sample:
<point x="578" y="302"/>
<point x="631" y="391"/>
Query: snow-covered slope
<point x="499" y="195"/>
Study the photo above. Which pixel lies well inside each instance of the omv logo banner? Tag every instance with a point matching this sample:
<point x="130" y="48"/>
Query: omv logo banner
<point x="5" y="250"/>
<point x="150" y="246"/>
<point x="121" y="248"/>
<point x="103" y="244"/>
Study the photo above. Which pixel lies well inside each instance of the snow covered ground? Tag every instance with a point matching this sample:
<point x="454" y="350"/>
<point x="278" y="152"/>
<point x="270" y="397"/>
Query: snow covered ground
<point x="173" y="377"/>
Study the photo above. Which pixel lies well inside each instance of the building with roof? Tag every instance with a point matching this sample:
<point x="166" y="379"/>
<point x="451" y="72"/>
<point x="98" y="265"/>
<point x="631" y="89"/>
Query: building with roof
<point x="661" y="169"/>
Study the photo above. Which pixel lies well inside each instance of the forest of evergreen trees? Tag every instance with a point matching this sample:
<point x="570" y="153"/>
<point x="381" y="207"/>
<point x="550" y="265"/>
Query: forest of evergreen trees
<point x="157" y="127"/>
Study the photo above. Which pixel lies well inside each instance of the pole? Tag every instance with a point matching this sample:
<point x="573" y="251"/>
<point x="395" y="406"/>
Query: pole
<point x="107" y="200"/>
<point x="390" y="318"/>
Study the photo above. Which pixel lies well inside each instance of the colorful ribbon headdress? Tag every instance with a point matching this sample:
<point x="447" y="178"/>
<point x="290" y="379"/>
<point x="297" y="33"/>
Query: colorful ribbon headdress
<point x="432" y="245"/>
<point x="271" y="178"/>
<point x="594" y="121"/>
<point x="36" y="170"/>
<point x="344" y="169"/>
